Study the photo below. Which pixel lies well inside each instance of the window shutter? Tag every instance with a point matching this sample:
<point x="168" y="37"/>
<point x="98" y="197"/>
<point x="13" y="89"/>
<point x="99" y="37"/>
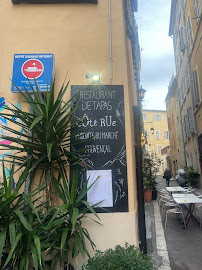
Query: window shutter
<point x="187" y="78"/>
<point x="187" y="124"/>
<point x="190" y="118"/>
<point x="181" y="36"/>
<point x="185" y="127"/>
<point x="188" y="38"/>
<point x="196" y="11"/>
<point x="196" y="88"/>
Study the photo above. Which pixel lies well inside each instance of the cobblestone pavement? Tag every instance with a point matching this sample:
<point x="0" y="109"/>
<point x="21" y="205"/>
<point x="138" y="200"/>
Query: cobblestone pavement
<point x="184" y="245"/>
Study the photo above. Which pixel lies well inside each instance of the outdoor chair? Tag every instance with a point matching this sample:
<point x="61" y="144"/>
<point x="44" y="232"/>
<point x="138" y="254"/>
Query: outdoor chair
<point x="198" y="208"/>
<point x="167" y="204"/>
<point x="177" y="211"/>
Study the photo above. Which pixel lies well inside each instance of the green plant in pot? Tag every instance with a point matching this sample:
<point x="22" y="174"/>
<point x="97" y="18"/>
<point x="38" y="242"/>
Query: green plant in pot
<point x="150" y="168"/>
<point x="192" y="176"/>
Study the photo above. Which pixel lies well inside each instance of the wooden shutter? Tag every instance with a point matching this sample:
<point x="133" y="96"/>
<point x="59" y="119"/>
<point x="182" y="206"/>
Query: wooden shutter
<point x="190" y="119"/>
<point x="181" y="36"/>
<point x="196" y="88"/>
<point x="196" y="11"/>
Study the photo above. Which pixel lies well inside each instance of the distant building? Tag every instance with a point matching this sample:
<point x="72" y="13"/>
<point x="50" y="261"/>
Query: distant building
<point x="156" y="129"/>
<point x="183" y="101"/>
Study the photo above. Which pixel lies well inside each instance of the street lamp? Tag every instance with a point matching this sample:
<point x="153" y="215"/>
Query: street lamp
<point x="152" y="130"/>
<point x="141" y="93"/>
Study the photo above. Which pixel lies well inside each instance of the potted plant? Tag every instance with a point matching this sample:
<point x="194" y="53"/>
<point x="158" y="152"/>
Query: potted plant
<point x="150" y="169"/>
<point x="192" y="176"/>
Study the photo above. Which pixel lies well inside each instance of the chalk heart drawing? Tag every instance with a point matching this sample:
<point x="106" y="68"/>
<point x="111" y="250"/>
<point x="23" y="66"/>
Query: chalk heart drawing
<point x="7" y="123"/>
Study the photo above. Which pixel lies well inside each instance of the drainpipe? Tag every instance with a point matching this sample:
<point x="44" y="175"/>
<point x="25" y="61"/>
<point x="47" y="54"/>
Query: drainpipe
<point x="137" y="116"/>
<point x="139" y="176"/>
<point x="110" y="40"/>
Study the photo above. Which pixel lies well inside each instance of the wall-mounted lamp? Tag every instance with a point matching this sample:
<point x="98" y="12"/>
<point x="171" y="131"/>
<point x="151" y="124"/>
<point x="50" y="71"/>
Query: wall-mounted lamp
<point x="93" y="77"/>
<point x="141" y="93"/>
<point x="143" y="139"/>
<point x="152" y="130"/>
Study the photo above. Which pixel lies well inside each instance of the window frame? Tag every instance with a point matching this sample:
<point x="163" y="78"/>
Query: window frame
<point x="158" y="148"/>
<point x="160" y="118"/>
<point x="156" y="133"/>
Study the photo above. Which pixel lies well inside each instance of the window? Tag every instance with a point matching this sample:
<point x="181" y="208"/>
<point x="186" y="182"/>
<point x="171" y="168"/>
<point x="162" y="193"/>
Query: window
<point x="157" y="117"/>
<point x="159" y="148"/>
<point x="189" y="35"/>
<point x="180" y="96"/>
<point x="157" y="133"/>
<point x="184" y="3"/>
<point x="190" y="117"/>
<point x="187" y="78"/>
<point x="166" y="134"/>
<point x="144" y="117"/>
<point x="182" y="89"/>
<point x="181" y="37"/>
<point x="148" y="135"/>
<point x="196" y="11"/>
<point x="196" y="88"/>
<point x="186" y="126"/>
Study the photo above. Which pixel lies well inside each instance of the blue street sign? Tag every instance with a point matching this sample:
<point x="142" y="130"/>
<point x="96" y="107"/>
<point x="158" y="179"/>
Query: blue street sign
<point x="27" y="67"/>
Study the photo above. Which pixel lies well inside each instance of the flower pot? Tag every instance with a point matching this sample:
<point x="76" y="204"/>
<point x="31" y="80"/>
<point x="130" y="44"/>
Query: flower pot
<point x="148" y="195"/>
<point x="154" y="194"/>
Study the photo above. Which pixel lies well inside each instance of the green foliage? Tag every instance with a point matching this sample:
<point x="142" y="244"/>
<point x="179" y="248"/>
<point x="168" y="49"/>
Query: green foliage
<point x="191" y="174"/>
<point x="45" y="141"/>
<point x="30" y="227"/>
<point x="27" y="232"/>
<point x="66" y="222"/>
<point x="121" y="258"/>
<point x="150" y="168"/>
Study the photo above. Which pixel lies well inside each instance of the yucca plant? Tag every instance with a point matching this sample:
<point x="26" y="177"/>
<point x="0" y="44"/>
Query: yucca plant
<point x="42" y="229"/>
<point x="67" y="220"/>
<point x="45" y="141"/>
<point x="13" y="222"/>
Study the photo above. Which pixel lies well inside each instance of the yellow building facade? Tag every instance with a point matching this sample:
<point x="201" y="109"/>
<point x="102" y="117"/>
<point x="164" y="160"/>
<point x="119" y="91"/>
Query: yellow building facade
<point x="185" y="29"/>
<point x="87" y="37"/>
<point x="156" y="130"/>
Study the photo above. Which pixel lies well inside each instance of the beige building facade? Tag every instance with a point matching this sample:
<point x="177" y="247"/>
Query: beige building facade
<point x="87" y="37"/>
<point x="156" y="130"/>
<point x="185" y="29"/>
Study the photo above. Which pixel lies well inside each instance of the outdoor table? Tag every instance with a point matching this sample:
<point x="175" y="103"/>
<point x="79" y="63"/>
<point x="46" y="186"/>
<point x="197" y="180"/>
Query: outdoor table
<point x="175" y="189"/>
<point x="183" y="195"/>
<point x="191" y="200"/>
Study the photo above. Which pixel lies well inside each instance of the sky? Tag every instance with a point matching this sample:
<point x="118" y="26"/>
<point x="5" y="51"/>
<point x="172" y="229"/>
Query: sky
<point x="157" y="56"/>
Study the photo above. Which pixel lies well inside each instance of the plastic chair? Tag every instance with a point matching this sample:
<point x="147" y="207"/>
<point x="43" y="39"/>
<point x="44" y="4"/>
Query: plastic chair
<point x="177" y="211"/>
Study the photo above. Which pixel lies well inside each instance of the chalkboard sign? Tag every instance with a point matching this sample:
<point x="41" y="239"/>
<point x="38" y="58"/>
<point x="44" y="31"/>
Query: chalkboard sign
<point x="102" y="112"/>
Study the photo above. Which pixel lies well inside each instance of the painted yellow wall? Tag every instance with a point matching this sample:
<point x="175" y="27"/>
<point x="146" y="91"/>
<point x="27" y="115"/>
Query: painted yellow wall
<point x="157" y="125"/>
<point x="78" y="36"/>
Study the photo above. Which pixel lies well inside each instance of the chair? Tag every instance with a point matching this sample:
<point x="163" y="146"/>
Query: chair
<point x="198" y="208"/>
<point x="167" y="204"/>
<point x="177" y="210"/>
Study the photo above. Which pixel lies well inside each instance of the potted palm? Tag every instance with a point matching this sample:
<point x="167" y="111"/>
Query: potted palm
<point x="150" y="169"/>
